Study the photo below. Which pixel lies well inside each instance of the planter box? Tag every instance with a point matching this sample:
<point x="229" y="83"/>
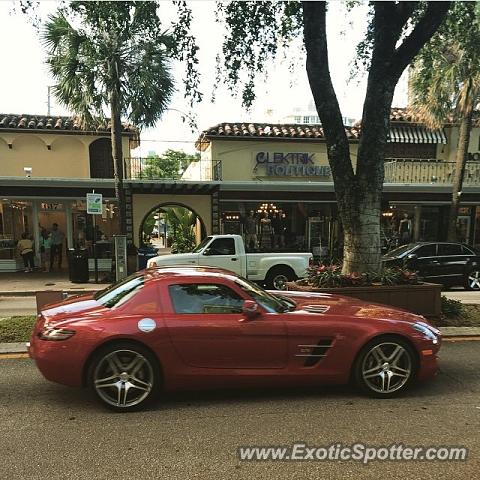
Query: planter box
<point x="423" y="299"/>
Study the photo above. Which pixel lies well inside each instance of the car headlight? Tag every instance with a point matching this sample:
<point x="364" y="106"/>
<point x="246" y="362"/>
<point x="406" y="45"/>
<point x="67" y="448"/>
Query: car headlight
<point x="52" y="333"/>
<point x="428" y="331"/>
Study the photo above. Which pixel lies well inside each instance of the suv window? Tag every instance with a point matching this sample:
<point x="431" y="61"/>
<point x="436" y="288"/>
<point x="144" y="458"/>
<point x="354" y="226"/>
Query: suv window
<point x="449" y="249"/>
<point x="204" y="298"/>
<point x="426" y="251"/>
<point x="222" y="246"/>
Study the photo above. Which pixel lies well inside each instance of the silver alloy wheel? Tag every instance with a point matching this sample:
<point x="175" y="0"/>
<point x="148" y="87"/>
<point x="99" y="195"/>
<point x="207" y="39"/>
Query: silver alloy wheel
<point x="280" y="282"/>
<point x="123" y="378"/>
<point x="387" y="367"/>
<point x="474" y="280"/>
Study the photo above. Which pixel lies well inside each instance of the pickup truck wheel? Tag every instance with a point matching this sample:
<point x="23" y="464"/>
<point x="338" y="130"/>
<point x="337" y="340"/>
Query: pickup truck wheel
<point x="278" y="277"/>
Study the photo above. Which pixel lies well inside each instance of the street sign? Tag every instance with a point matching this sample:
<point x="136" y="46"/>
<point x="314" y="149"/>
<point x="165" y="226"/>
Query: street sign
<point x="94" y="203"/>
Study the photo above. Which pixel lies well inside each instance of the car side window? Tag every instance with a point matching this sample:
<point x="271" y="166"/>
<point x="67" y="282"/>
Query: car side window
<point x="467" y="251"/>
<point x="426" y="251"/>
<point x="449" y="249"/>
<point x="222" y="246"/>
<point x="204" y="298"/>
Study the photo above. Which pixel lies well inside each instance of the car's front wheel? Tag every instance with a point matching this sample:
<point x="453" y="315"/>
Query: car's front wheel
<point x="385" y="367"/>
<point x="472" y="280"/>
<point x="124" y="376"/>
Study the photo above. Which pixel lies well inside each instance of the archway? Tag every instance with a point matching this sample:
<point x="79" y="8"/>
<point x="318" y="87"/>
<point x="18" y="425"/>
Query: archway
<point x="172" y="228"/>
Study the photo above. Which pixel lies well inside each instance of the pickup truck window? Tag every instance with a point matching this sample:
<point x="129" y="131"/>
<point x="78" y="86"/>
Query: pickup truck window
<point x="201" y="245"/>
<point x="204" y="298"/>
<point x="222" y="246"/>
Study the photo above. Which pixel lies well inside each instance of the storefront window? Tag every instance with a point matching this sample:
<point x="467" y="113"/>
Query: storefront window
<point x="282" y="226"/>
<point x="15" y="219"/>
<point x="106" y="226"/>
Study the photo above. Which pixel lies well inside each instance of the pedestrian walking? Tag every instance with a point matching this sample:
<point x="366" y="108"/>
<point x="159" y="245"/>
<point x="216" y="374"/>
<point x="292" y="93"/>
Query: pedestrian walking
<point x="57" y="238"/>
<point x="25" y="249"/>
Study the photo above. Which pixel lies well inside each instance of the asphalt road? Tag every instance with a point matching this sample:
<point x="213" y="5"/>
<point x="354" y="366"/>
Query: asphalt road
<point x="49" y="431"/>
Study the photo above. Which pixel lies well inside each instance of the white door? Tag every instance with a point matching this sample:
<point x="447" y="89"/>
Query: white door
<point x="221" y="253"/>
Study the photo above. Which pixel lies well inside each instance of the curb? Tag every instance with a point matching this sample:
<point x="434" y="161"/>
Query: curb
<point x="447" y="333"/>
<point x="32" y="293"/>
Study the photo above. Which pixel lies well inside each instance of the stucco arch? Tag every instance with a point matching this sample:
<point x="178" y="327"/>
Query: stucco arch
<point x="145" y="204"/>
<point x="164" y="205"/>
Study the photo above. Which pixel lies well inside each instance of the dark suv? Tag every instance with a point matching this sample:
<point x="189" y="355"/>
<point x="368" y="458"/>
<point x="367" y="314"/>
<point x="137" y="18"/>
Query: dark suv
<point x="439" y="262"/>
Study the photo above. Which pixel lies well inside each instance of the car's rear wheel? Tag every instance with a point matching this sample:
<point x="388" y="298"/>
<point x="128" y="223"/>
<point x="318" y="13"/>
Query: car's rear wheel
<point x="278" y="277"/>
<point x="472" y="280"/>
<point x="124" y="376"/>
<point x="385" y="367"/>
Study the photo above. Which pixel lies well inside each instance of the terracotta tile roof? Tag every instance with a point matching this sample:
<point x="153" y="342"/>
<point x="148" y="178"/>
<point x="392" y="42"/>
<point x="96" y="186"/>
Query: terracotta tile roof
<point x="270" y="130"/>
<point x="57" y="123"/>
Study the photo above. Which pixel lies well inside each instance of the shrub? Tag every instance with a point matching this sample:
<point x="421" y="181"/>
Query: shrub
<point x="451" y="308"/>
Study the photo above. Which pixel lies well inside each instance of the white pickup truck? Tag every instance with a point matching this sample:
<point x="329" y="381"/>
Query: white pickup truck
<point x="228" y="251"/>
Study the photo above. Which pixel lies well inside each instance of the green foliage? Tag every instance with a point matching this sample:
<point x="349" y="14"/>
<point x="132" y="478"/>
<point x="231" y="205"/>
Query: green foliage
<point x="171" y="164"/>
<point x="445" y="77"/>
<point x="255" y="31"/>
<point x="182" y="221"/>
<point x="451" y="308"/>
<point x="98" y="49"/>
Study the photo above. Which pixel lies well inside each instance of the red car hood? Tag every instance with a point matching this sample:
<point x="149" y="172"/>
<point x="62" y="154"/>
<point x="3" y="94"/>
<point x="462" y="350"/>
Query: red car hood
<point x="71" y="309"/>
<point x="312" y="302"/>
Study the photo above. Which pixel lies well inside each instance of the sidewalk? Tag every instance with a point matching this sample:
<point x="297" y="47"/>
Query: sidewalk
<point x="27" y="284"/>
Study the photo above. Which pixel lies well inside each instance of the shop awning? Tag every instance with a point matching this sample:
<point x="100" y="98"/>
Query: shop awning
<point x="416" y="135"/>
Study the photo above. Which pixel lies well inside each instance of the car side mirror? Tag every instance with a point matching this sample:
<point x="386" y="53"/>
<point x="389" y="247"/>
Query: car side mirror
<point x="412" y="256"/>
<point x="250" y="309"/>
<point x="207" y="252"/>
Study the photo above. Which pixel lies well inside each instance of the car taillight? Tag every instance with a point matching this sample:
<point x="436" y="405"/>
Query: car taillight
<point x="52" y="333"/>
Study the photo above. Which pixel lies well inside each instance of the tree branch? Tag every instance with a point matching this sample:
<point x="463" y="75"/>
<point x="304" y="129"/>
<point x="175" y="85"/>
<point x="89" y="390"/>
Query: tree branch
<point x="315" y="37"/>
<point x="425" y="28"/>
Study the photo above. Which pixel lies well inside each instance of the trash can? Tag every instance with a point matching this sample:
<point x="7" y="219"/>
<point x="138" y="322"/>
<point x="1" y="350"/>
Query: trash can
<point x="78" y="265"/>
<point x="145" y="253"/>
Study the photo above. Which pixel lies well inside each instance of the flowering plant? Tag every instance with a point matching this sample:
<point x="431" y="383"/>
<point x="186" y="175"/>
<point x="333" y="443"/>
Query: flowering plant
<point x="330" y="276"/>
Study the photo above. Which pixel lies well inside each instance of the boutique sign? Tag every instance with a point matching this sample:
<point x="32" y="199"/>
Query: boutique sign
<point x="291" y="164"/>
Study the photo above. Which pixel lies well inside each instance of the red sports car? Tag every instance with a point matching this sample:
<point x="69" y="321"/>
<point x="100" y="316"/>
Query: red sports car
<point x="194" y="328"/>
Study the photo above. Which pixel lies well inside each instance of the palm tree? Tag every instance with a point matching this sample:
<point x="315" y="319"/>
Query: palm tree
<point x="110" y="57"/>
<point x="445" y="84"/>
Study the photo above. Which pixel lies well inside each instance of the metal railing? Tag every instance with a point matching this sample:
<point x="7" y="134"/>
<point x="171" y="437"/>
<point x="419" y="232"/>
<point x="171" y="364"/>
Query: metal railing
<point x="431" y="171"/>
<point x="142" y="168"/>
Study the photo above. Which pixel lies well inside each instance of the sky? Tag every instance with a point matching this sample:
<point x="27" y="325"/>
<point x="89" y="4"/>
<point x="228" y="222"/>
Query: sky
<point x="25" y="80"/>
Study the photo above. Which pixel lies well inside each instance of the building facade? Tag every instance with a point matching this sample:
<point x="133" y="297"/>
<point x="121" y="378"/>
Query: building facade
<point x="276" y="173"/>
<point x="47" y="165"/>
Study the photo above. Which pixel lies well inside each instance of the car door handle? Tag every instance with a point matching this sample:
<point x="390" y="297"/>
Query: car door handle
<point x="435" y="261"/>
<point x="234" y="259"/>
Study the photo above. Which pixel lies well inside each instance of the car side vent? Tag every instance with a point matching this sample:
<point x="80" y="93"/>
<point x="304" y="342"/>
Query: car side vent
<point x="316" y="308"/>
<point x="314" y="353"/>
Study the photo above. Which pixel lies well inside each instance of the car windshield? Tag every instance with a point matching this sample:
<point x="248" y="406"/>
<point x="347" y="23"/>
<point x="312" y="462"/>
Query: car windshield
<point x="399" y="251"/>
<point x="269" y="302"/>
<point x="120" y="292"/>
<point x="201" y="245"/>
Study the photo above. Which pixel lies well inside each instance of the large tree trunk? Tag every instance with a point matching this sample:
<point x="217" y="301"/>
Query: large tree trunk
<point x="117" y="154"/>
<point x="459" y="173"/>
<point x="359" y="192"/>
